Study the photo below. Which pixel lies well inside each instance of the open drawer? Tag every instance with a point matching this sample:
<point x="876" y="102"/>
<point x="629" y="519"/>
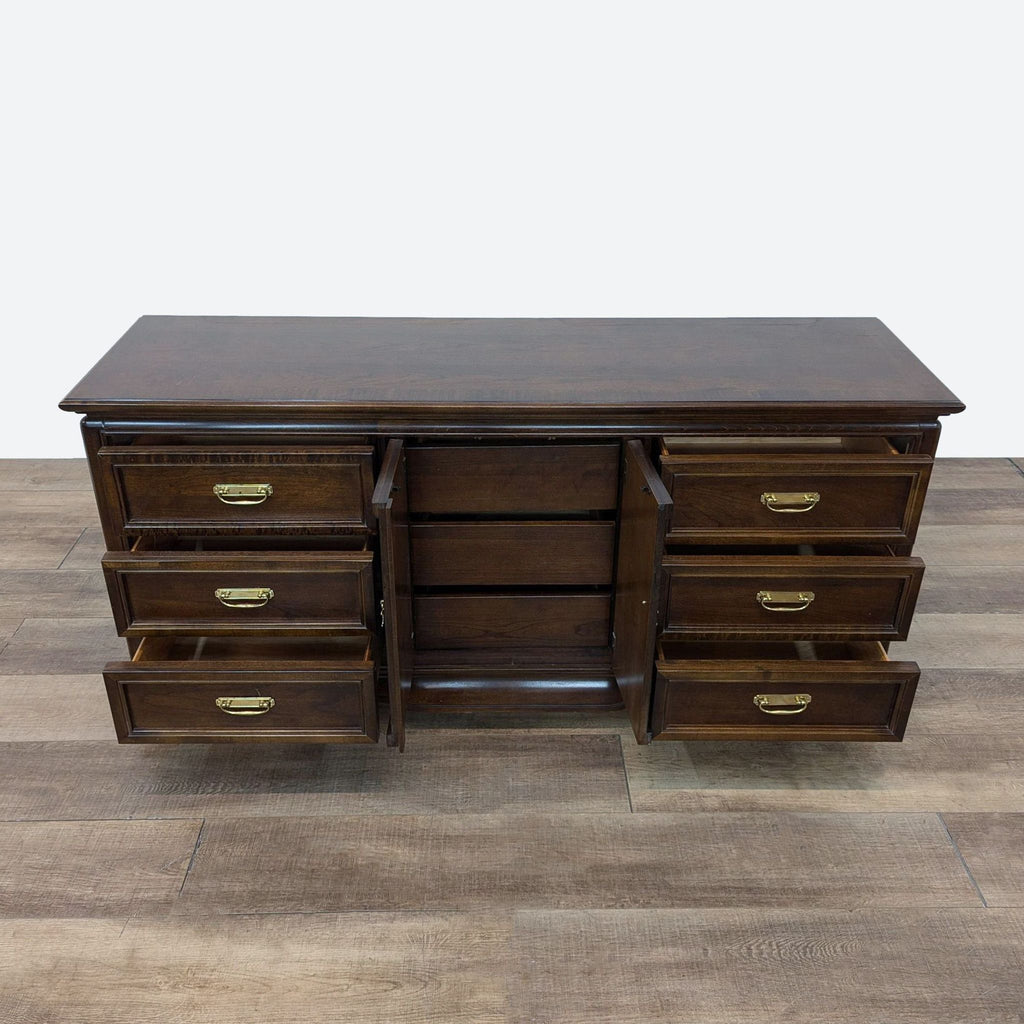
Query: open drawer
<point x="211" y="586"/>
<point x="767" y="490"/>
<point x="785" y="691"/>
<point x="213" y="689"/>
<point x="238" y="488"/>
<point x="790" y="597"/>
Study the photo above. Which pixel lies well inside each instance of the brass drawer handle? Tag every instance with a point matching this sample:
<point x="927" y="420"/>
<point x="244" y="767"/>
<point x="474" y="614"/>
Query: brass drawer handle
<point x="790" y="501"/>
<point x="782" y="703"/>
<point x="243" y="494"/>
<point x="243" y="597"/>
<point x="785" y="600"/>
<point x="245" y="705"/>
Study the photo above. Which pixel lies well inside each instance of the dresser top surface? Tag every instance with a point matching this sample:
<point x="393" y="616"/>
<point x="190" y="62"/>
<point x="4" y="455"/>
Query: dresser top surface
<point x="185" y="364"/>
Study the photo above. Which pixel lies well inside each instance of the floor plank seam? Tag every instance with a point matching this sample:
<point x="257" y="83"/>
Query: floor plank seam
<point x="625" y="774"/>
<point x="67" y="554"/>
<point x="443" y="911"/>
<point x="82" y="821"/>
<point x="192" y="859"/>
<point x="5" y="643"/>
<point x="829" y="906"/>
<point x="233" y="815"/>
<point x="963" y="862"/>
<point x="21" y="625"/>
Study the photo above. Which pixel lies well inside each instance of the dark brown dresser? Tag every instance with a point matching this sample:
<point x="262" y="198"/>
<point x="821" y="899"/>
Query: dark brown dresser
<point x="314" y="524"/>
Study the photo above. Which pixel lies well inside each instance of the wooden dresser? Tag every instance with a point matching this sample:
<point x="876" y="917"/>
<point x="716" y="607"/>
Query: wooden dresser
<point x="313" y="523"/>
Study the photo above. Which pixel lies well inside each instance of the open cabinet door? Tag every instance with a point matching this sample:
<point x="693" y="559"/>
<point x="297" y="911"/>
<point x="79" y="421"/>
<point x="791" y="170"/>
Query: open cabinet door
<point x="644" y="515"/>
<point x="391" y="506"/>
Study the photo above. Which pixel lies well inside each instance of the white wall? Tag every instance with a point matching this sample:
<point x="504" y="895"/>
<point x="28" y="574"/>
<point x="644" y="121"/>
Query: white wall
<point x="512" y="158"/>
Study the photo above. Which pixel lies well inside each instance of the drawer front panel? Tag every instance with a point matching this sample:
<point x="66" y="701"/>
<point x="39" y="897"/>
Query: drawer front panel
<point x="847" y="700"/>
<point x="451" y="621"/>
<point x="159" y="707"/>
<point x="736" y="499"/>
<point x="503" y="554"/>
<point x="311" y="594"/>
<point x="514" y="478"/>
<point x="196" y="488"/>
<point x="791" y="598"/>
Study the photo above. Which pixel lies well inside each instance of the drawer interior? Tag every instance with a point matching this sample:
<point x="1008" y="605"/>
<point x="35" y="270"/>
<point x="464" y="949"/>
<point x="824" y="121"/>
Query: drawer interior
<point x="794" y="650"/>
<point x="784" y="444"/>
<point x="775" y="550"/>
<point x="217" y="437"/>
<point x="269" y="650"/>
<point x="264" y="544"/>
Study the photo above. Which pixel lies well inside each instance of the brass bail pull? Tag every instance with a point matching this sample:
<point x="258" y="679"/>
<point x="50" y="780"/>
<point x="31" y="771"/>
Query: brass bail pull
<point x="243" y="494"/>
<point x="245" y="706"/>
<point x="790" y="501"/>
<point x="782" y="703"/>
<point x="243" y="597"/>
<point x="785" y="600"/>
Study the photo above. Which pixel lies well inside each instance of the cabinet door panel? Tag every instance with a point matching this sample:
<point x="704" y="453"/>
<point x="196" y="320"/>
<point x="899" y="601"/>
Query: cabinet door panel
<point x="645" y="511"/>
<point x="391" y="506"/>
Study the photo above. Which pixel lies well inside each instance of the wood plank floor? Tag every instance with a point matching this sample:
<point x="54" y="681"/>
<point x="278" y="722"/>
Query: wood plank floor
<point x="555" y="872"/>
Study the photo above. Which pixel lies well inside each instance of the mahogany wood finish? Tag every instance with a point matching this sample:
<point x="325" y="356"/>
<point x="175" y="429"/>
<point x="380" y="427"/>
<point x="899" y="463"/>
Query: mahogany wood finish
<point x="645" y="510"/>
<point x="391" y="505"/>
<point x="718" y="500"/>
<point x="172" y="488"/>
<point x="854" y="598"/>
<point x="533" y="619"/>
<point x="465" y="554"/>
<point x="522" y="685"/>
<point x="176" y="592"/>
<point x="168" y="692"/>
<point x="514" y="478"/>
<point x="440" y="371"/>
<point x="486" y="505"/>
<point x="856" y="694"/>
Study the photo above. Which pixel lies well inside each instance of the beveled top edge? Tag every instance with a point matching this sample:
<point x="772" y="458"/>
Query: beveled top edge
<point x="401" y="366"/>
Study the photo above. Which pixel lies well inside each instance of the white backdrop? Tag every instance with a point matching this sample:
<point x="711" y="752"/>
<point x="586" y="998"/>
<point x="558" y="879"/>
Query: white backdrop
<point x="515" y="159"/>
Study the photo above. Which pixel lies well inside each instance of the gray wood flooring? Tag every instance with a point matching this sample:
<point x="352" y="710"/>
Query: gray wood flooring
<point x="555" y="872"/>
